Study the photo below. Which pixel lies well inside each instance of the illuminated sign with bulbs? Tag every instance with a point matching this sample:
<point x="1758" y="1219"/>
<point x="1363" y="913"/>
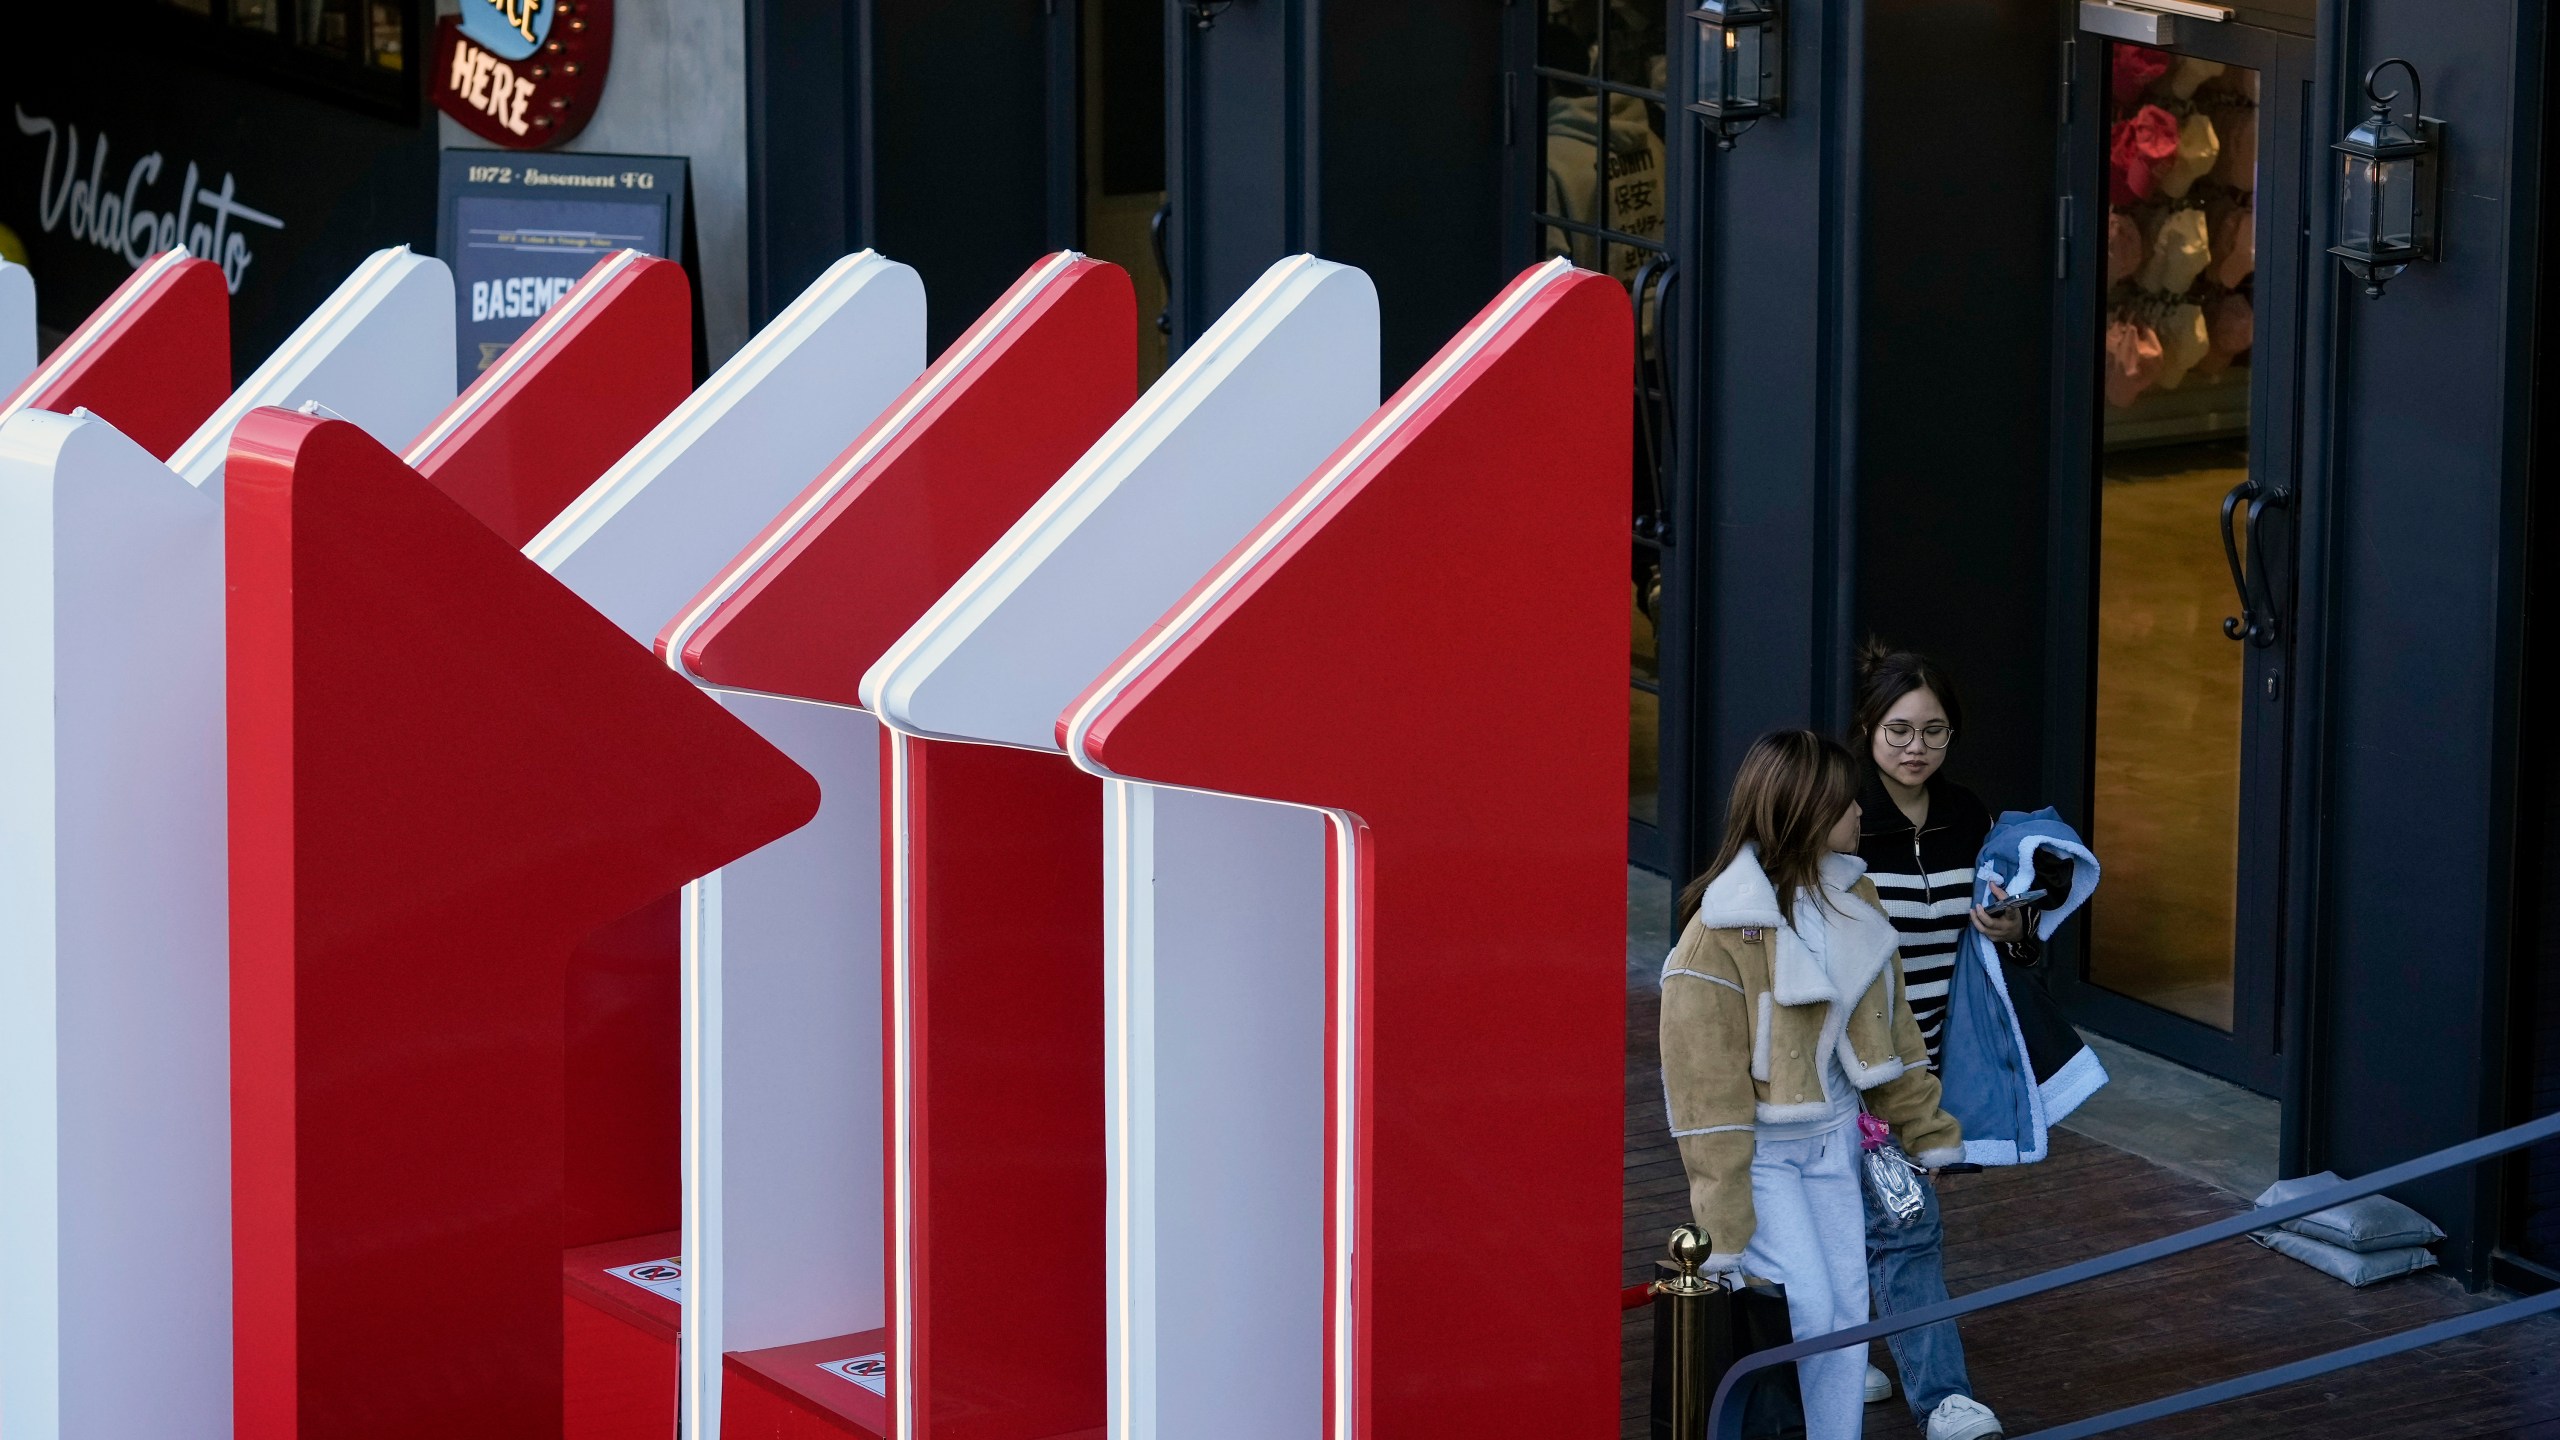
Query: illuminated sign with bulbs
<point x="523" y="73"/>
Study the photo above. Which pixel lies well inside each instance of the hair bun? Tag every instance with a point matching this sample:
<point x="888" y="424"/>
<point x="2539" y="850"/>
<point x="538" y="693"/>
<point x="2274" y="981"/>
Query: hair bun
<point x="1873" y="655"/>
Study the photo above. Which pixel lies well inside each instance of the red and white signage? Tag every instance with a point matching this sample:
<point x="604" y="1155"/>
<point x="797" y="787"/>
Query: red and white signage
<point x="570" y="397"/>
<point x="1422" y="645"/>
<point x="445" y="772"/>
<point x="998" y="920"/>
<point x="790" y="1155"/>
<point x="153" y="361"/>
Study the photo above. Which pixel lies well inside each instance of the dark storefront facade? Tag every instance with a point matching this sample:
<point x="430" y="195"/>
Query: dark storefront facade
<point x="2014" y="338"/>
<point x="1925" y="357"/>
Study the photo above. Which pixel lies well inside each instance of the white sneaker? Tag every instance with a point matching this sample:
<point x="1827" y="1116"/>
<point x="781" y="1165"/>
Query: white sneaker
<point x="1961" y="1417"/>
<point x="1879" y="1388"/>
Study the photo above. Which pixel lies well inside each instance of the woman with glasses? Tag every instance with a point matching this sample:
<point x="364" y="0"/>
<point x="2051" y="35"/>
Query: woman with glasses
<point x="1919" y="836"/>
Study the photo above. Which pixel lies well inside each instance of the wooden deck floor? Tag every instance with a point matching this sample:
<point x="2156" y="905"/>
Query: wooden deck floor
<point x="2204" y="1316"/>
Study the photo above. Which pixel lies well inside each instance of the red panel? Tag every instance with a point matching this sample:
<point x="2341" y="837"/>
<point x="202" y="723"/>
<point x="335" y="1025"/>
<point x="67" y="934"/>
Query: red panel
<point x="1006" y="1044"/>
<point x="1008" y="994"/>
<point x="154" y="371"/>
<point x="583" y="1277"/>
<point x="625" y="1072"/>
<point x="445" y="771"/>
<point x="809" y="620"/>
<point x="622" y="1381"/>
<point x="754" y="1406"/>
<point x="537" y="435"/>
<point x="789" y="1395"/>
<point x="1439" y="648"/>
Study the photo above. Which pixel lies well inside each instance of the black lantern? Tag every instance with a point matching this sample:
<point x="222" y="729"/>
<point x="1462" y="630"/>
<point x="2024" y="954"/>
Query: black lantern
<point x="2388" y="192"/>
<point x="1738" y="70"/>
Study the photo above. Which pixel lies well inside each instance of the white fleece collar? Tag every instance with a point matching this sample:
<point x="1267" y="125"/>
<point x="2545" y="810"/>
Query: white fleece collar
<point x="1861" y="940"/>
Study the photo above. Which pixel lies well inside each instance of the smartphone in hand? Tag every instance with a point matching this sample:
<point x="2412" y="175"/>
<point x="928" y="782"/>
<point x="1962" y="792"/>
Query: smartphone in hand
<point x="2021" y="899"/>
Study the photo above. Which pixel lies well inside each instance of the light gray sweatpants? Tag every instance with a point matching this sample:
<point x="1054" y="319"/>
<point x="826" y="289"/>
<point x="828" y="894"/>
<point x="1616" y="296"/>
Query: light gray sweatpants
<point x="1813" y="1240"/>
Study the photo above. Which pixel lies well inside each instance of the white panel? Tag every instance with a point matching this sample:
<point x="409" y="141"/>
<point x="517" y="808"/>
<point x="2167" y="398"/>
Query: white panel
<point x="115" y="1292"/>
<point x="17" y="325"/>
<point x="1217" y="1094"/>
<point x="1245" y="415"/>
<point x="378" y="352"/>
<point x="782" y="1073"/>
<point x="696" y="490"/>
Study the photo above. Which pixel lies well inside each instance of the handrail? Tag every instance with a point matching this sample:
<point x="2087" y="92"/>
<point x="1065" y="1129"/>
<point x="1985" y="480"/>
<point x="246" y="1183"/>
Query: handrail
<point x="1724" y="1420"/>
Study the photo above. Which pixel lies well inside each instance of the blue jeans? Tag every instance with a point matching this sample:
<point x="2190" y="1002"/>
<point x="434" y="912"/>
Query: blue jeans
<point x="1906" y="1269"/>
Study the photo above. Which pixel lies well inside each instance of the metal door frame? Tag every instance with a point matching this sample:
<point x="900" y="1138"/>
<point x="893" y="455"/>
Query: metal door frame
<point x="2252" y="1054"/>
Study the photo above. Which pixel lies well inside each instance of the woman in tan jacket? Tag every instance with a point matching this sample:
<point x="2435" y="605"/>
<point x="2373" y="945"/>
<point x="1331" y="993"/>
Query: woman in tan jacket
<point x="1783" y="1015"/>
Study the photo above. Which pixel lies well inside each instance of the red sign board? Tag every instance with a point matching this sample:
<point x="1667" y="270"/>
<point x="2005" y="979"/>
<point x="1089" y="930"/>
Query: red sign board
<point x="531" y="103"/>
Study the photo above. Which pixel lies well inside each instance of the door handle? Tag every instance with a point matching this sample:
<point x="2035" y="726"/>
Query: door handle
<point x="1164" y="270"/>
<point x="2257" y="623"/>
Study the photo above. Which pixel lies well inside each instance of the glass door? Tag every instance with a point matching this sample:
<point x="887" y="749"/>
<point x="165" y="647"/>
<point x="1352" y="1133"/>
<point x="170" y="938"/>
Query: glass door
<point x="2188" y="161"/>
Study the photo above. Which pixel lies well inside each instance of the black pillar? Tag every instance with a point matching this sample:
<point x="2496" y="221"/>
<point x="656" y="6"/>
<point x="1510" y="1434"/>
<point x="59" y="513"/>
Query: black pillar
<point x="2420" y="440"/>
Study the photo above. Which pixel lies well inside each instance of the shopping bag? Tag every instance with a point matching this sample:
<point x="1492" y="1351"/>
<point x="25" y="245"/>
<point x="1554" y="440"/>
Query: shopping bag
<point x="1739" y="1317"/>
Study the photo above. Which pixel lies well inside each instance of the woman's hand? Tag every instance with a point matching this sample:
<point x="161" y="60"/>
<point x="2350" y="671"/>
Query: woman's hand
<point x="2000" y="929"/>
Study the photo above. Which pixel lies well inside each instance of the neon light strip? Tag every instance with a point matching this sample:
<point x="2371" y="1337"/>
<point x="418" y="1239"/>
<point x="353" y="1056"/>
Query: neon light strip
<point x="938" y="379"/>
<point x="1132" y="437"/>
<point x="519" y="355"/>
<point x="214" y="433"/>
<point x="1123" y="859"/>
<point x="1344" y="830"/>
<point x="902" y="1341"/>
<point x="700" y="1223"/>
<point x="94" y="332"/>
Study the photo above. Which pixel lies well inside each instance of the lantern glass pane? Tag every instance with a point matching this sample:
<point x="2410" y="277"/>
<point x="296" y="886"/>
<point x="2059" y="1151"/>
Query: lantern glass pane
<point x="2396" y="216"/>
<point x="1742" y="66"/>
<point x="2356" y="210"/>
<point x="1707" y="65"/>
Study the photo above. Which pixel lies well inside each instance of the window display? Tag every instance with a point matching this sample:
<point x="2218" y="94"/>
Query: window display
<point x="2181" y="246"/>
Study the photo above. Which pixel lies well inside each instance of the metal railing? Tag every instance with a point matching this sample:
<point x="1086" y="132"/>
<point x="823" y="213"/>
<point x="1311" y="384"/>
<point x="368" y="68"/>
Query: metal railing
<point x="1725" y="1418"/>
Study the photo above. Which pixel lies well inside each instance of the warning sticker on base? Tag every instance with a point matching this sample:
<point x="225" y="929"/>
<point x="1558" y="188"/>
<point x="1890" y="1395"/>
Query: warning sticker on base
<point x="663" y="1277"/>
<point x="871" y="1372"/>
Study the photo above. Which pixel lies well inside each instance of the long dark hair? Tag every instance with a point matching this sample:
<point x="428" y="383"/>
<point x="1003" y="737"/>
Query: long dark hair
<point x="1792" y="788"/>
<point x="1885" y="675"/>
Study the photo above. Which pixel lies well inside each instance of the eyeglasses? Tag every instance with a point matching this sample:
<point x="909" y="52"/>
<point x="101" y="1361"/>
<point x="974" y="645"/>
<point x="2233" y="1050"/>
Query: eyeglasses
<point x="1900" y="733"/>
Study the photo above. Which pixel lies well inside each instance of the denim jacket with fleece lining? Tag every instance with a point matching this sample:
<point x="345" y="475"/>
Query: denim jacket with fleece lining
<point x="2011" y="1065"/>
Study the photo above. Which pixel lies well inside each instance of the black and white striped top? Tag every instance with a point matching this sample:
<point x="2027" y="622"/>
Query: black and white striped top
<point x="1925" y="878"/>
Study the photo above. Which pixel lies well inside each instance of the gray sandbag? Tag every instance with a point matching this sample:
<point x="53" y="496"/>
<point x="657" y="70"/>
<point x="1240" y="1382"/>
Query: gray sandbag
<point x="2367" y="1226"/>
<point x="2357" y="1268"/>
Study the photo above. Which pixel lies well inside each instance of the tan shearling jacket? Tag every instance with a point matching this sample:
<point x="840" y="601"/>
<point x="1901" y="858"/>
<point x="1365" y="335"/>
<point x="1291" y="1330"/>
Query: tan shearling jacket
<point x="1748" y="1012"/>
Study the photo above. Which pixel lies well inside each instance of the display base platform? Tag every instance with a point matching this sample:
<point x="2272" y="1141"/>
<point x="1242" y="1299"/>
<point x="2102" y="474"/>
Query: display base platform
<point x="618" y="1342"/>
<point x="802" y="1392"/>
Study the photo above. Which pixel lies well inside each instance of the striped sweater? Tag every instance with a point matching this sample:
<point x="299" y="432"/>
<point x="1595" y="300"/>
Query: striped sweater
<point x="1924" y="875"/>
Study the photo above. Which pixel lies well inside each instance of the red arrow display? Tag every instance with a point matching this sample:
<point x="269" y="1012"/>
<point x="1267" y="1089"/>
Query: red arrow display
<point x="1427" y="641"/>
<point x="445" y="771"/>
<point x="1002" y="1036"/>
<point x="153" y="361"/>
<point x="571" y="396"/>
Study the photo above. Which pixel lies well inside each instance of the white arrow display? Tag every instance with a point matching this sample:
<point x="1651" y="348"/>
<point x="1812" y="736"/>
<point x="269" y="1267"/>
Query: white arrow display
<point x="115" y="1163"/>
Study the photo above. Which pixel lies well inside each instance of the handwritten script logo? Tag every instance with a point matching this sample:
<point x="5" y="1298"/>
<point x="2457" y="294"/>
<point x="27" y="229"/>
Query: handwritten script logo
<point x="206" y="221"/>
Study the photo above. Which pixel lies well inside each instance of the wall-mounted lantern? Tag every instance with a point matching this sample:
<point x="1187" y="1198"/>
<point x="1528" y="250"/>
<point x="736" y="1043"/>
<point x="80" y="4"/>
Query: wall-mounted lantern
<point x="2389" y="186"/>
<point x="1738" y="70"/>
